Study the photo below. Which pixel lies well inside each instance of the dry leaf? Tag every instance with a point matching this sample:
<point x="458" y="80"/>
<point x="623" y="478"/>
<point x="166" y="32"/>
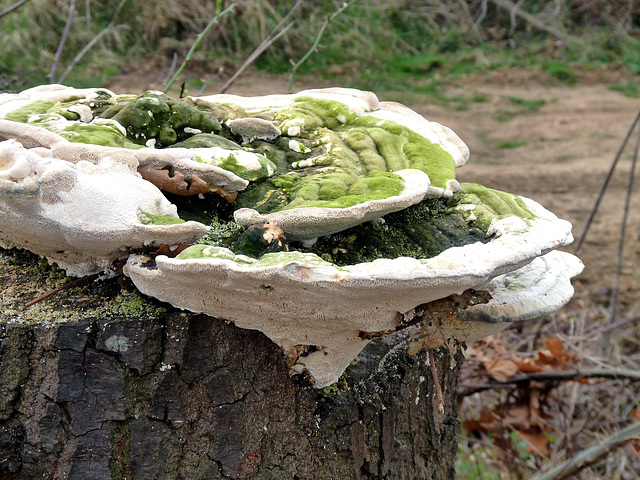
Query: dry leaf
<point x="536" y="443"/>
<point x="500" y="368"/>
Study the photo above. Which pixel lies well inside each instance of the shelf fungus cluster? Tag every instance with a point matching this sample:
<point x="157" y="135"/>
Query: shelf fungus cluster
<point x="323" y="219"/>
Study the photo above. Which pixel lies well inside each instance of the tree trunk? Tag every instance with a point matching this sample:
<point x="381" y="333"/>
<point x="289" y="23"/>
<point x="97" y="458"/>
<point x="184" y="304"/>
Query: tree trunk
<point x="100" y="384"/>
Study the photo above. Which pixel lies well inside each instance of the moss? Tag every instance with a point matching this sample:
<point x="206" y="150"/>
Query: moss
<point x="136" y="305"/>
<point x="102" y="298"/>
<point x="402" y="148"/>
<point x="160" y="117"/>
<point x="311" y="113"/>
<point x="207" y="140"/>
<point x="421" y="231"/>
<point x="151" y="219"/>
<point x="221" y="233"/>
<point x="346" y="159"/>
<point x="335" y="389"/>
<point x="22" y="114"/>
<point x="105" y="134"/>
<point x="232" y="164"/>
<point x="221" y="111"/>
<point x="489" y="205"/>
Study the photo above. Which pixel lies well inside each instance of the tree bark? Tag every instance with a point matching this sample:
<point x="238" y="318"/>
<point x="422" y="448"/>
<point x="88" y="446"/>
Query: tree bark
<point x="168" y="395"/>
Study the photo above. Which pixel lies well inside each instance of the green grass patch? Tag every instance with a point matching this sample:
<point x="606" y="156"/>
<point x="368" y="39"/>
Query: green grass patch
<point x="513" y="144"/>
<point x="528" y="105"/>
<point x="631" y="89"/>
<point x="562" y="71"/>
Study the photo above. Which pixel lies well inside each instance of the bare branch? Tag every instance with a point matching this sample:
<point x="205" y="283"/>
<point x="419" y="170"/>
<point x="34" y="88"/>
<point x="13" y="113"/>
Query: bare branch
<point x="63" y="40"/>
<point x="95" y="40"/>
<point x="317" y="41"/>
<point x="13" y="7"/>
<point x="266" y="43"/>
<point x="610" y="373"/>
<point x="515" y="11"/>
<point x="605" y="185"/>
<point x="436" y="381"/>
<point x="197" y="42"/>
<point x="64" y="286"/>
<point x="256" y="53"/>
<point x="591" y="455"/>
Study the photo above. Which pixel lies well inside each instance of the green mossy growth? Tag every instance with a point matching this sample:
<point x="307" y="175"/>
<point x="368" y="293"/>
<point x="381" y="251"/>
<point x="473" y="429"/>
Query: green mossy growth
<point x="105" y="134"/>
<point x="150" y="219"/>
<point x="207" y="140"/>
<point x="232" y="164"/>
<point x="421" y="231"/>
<point x="160" y="117"/>
<point x="311" y="113"/>
<point x="490" y="204"/>
<point x="221" y="111"/>
<point x="22" y="114"/>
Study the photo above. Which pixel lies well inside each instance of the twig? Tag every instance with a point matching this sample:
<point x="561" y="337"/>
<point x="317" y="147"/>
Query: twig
<point x="512" y="16"/>
<point x="13" y="7"/>
<point x="171" y="68"/>
<point x="591" y="455"/>
<point x="611" y="373"/>
<point x="266" y="43"/>
<point x="436" y="381"/>
<point x="73" y="283"/>
<point x="197" y="42"/>
<point x="605" y="185"/>
<point x="317" y="41"/>
<point x="513" y="9"/>
<point x="613" y="304"/>
<point x="63" y="40"/>
<point x="95" y="40"/>
<point x="252" y="58"/>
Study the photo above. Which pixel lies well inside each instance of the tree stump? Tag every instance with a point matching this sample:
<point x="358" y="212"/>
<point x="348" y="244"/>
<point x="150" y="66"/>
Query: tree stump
<point x="98" y="383"/>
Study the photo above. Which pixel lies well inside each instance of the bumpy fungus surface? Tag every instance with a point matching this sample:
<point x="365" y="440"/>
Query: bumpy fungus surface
<point x="342" y="216"/>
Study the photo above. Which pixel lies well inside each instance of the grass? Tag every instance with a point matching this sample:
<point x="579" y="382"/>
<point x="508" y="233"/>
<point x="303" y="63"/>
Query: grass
<point x="397" y="46"/>
<point x="630" y="89"/>
<point x="513" y="144"/>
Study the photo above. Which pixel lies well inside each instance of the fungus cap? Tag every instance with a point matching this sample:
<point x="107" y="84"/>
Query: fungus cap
<point x="290" y="291"/>
<point x="82" y="216"/>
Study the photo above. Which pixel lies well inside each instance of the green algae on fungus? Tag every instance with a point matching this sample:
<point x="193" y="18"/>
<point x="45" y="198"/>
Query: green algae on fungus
<point x="258" y="168"/>
<point x="22" y="114"/>
<point x="380" y="144"/>
<point x="151" y="219"/>
<point x="160" y="118"/>
<point x="482" y="205"/>
<point x="267" y="260"/>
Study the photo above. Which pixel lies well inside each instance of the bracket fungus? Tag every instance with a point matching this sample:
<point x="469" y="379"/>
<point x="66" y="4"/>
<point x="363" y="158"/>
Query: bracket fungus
<point x="344" y="221"/>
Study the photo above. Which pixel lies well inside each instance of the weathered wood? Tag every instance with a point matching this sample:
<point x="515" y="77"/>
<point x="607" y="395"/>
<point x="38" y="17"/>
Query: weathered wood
<point x="108" y="393"/>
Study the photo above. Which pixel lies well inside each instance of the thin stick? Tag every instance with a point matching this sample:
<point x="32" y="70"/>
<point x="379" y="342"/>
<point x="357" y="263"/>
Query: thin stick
<point x="252" y="58"/>
<point x="95" y="40"/>
<point x="605" y="185"/>
<point x="266" y="43"/>
<point x="174" y="60"/>
<point x="317" y="42"/>
<point x="13" y="7"/>
<point x="63" y="40"/>
<point x="613" y="304"/>
<point x="513" y="8"/>
<point x="610" y="373"/>
<point x="436" y="381"/>
<point x="591" y="455"/>
<point x="197" y="42"/>
<point x="73" y="283"/>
